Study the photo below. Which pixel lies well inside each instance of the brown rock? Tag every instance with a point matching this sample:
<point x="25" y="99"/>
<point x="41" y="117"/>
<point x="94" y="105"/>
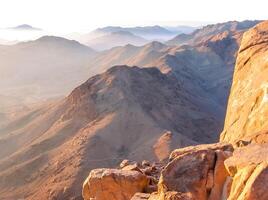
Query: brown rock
<point x="247" y="110"/>
<point x="140" y="196"/>
<point x="197" y="172"/>
<point x="124" y="163"/>
<point x="219" y="176"/>
<point x="113" y="184"/>
<point x="132" y="167"/>
<point x="171" y="195"/>
<point x="249" y="168"/>
<point x="191" y="149"/>
<point x="145" y="163"/>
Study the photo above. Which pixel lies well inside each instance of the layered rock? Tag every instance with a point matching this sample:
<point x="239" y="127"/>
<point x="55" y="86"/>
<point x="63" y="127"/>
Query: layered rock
<point x="247" y="110"/>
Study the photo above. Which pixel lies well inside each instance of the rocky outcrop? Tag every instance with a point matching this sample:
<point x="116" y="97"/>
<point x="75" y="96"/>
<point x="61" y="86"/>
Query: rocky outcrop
<point x="202" y="172"/>
<point x="113" y="184"/>
<point x="248" y="168"/>
<point x="247" y="110"/>
<point x="196" y="172"/>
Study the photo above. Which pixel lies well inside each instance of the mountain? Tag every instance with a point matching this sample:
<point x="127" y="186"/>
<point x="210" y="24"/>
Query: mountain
<point x="208" y="63"/>
<point x="200" y="35"/>
<point x="29" y="69"/>
<point x="236" y="168"/>
<point x="25" y="27"/>
<point x="147" y="32"/>
<point x="181" y="29"/>
<point x="247" y="111"/>
<point x="137" y="35"/>
<point x="205" y="69"/>
<point x="122" y="113"/>
<point x="119" y="38"/>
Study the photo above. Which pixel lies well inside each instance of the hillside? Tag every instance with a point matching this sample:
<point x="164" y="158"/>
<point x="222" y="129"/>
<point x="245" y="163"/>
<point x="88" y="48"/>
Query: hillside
<point x="203" y="34"/>
<point x="122" y="113"/>
<point x="28" y="69"/>
<point x="236" y="168"/>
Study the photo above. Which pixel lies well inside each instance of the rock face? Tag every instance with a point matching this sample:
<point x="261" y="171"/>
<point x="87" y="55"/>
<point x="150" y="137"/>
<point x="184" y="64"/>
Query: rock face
<point x="247" y="110"/>
<point x="113" y="184"/>
<point x="196" y="172"/>
<point x="249" y="170"/>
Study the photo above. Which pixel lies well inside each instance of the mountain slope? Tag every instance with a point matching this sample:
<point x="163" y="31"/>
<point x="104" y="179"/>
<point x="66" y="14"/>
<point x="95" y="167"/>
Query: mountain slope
<point x="209" y="31"/>
<point x="122" y="113"/>
<point x="146" y="32"/>
<point x="247" y="107"/>
<point x="191" y="65"/>
<point x="28" y="69"/>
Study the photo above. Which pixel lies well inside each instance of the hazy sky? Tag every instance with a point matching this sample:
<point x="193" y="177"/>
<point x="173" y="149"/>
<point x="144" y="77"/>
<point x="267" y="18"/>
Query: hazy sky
<point x="81" y="15"/>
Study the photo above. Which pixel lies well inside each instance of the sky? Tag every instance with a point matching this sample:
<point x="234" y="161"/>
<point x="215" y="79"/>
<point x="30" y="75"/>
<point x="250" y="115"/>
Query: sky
<point x="64" y="16"/>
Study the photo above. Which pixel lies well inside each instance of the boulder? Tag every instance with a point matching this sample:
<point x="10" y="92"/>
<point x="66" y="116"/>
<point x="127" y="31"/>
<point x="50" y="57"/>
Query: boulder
<point x="140" y="196"/>
<point x="249" y="169"/>
<point x="195" y="172"/>
<point x="113" y="184"/>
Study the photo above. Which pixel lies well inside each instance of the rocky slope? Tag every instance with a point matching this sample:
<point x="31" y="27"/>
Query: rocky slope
<point x="203" y="34"/>
<point x="126" y="112"/>
<point x="236" y="168"/>
<point x="204" y="66"/>
<point x="200" y="68"/>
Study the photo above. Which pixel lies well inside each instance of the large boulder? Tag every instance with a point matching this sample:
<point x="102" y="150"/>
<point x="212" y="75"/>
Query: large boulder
<point x="249" y="170"/>
<point x="195" y="172"/>
<point x="113" y="184"/>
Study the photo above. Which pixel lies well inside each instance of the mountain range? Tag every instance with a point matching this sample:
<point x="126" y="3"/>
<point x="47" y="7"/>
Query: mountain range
<point x="126" y="102"/>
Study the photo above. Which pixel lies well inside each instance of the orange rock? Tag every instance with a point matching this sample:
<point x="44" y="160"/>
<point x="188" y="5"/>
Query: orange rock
<point x="247" y="111"/>
<point x="197" y="171"/>
<point x="113" y="184"/>
<point x="140" y="196"/>
<point x="249" y="168"/>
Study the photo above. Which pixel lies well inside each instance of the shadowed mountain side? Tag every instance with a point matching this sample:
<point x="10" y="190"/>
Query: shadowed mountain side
<point x="123" y="113"/>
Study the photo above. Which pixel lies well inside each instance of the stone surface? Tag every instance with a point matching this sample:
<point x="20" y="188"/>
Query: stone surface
<point x="141" y="196"/>
<point x="113" y="184"/>
<point x="249" y="168"/>
<point x="191" y="149"/>
<point x="195" y="172"/>
<point x="247" y="110"/>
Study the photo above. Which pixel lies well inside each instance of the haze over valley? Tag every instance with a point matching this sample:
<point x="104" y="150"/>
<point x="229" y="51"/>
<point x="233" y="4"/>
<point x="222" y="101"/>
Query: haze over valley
<point x="155" y="110"/>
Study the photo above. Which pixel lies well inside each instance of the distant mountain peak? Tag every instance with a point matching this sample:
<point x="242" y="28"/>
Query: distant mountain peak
<point x="25" y="27"/>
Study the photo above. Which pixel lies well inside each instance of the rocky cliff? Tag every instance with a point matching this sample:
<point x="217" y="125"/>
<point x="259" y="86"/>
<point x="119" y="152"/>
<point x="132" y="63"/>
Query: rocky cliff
<point x="247" y="110"/>
<point x="234" y="169"/>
